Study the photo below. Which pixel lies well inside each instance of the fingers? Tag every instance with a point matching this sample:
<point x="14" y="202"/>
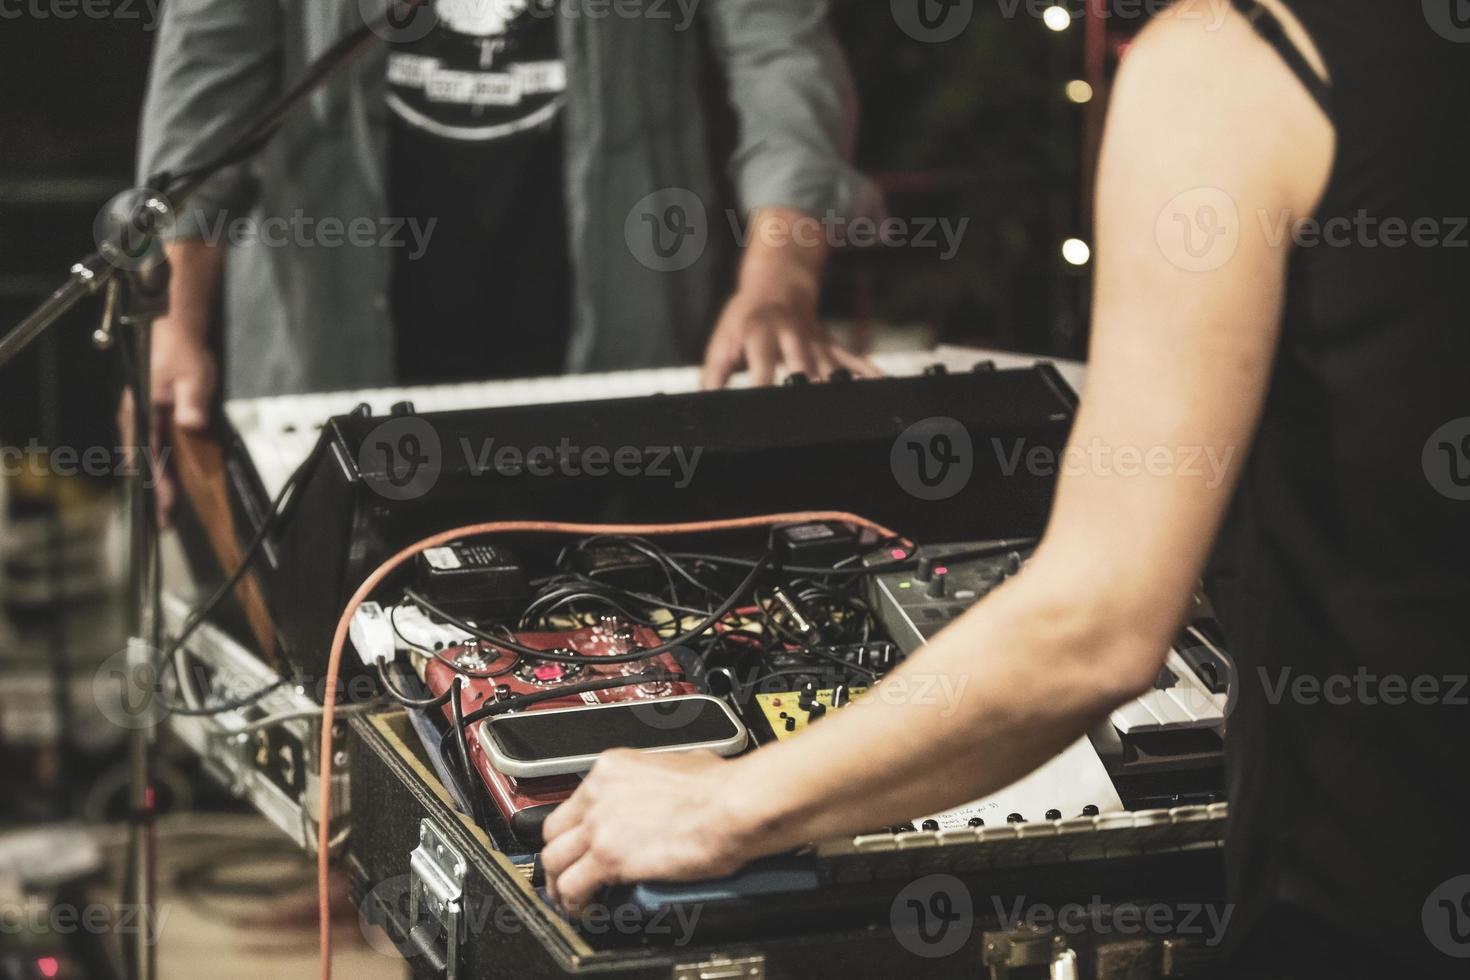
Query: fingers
<point x="560" y="854"/>
<point x="125" y="418"/>
<point x="191" y="397"/>
<point x="720" y="362"/>
<point x="860" y="366"/>
<point x="797" y="350"/>
<point x="567" y="815"/>
<point x="577" y="885"/>
<point x="761" y="353"/>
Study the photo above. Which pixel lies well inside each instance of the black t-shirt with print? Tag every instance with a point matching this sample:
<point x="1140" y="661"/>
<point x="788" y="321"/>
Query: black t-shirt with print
<point x="475" y="148"/>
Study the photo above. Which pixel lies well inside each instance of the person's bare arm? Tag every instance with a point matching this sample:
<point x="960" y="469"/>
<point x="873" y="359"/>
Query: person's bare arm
<point x="1180" y="363"/>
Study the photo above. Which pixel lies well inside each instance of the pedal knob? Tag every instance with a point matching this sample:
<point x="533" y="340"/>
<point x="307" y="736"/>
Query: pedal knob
<point x="796" y="379"/>
<point x="791" y="724"/>
<point x="1013" y="563"/>
<point x="925" y="571"/>
<point x="840" y="374"/>
<point x="935" y="371"/>
<point x="935" y="589"/>
<point x="817" y="710"/>
<point x="840" y="696"/>
<point x="401" y="409"/>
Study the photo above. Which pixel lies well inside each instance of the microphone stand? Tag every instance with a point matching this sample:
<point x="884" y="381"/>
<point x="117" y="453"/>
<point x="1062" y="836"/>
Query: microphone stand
<point x="132" y="268"/>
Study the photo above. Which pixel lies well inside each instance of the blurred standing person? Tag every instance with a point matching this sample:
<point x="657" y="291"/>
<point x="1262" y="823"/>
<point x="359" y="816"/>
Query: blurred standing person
<point x="506" y="188"/>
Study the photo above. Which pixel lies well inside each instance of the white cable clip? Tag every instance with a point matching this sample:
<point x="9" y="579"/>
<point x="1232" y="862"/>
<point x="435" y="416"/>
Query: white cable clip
<point x="372" y="634"/>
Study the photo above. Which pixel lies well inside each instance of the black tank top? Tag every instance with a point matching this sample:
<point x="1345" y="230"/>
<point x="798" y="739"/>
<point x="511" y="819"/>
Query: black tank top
<point x="1344" y="572"/>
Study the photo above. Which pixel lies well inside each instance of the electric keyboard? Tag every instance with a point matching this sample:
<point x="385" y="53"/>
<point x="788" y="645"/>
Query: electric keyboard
<point x="279" y="432"/>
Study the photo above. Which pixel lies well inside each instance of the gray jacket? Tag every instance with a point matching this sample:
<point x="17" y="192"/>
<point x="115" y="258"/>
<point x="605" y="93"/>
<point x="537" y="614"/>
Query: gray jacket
<point x="307" y="311"/>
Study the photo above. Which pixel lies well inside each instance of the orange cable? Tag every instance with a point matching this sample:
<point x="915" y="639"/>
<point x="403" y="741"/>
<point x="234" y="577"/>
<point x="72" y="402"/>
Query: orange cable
<point x="339" y="641"/>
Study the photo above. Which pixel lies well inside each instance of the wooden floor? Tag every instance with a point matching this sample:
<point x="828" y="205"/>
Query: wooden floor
<point x="237" y="901"/>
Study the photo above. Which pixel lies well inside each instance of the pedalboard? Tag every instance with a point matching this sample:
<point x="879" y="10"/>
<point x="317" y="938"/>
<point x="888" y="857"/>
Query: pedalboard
<point x="525" y="803"/>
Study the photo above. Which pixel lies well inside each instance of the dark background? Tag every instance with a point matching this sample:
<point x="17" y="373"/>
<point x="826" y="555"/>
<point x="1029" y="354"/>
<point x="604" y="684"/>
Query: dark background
<point x="978" y="127"/>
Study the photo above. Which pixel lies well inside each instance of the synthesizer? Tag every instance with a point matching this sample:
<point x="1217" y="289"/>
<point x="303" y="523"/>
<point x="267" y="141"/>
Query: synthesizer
<point x="805" y="445"/>
<point x="1192" y="688"/>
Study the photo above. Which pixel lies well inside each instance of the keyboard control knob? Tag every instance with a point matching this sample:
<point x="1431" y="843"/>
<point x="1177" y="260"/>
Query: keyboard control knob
<point x="936" y="586"/>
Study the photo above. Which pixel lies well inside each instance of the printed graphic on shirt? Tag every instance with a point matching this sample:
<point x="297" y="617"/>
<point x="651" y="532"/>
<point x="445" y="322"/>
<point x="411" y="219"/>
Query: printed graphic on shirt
<point x="487" y="70"/>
